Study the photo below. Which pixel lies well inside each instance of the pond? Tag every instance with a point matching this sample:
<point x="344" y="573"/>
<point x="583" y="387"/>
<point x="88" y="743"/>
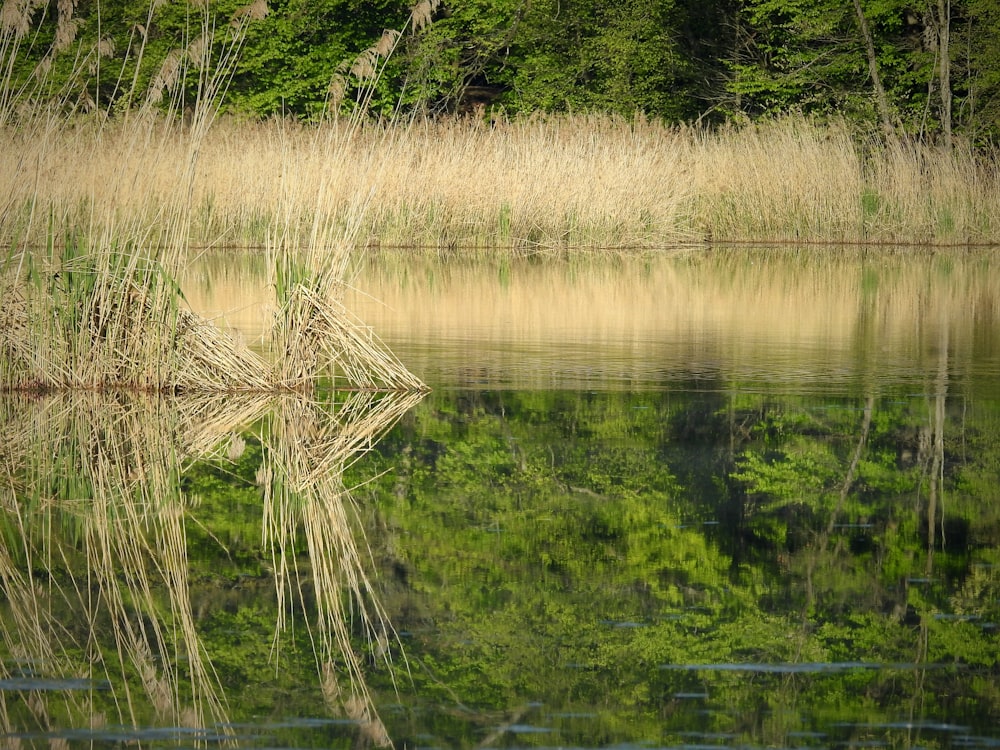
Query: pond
<point x="729" y="498"/>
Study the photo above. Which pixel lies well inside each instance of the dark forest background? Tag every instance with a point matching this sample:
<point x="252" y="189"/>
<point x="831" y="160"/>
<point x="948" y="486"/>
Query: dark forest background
<point x="926" y="69"/>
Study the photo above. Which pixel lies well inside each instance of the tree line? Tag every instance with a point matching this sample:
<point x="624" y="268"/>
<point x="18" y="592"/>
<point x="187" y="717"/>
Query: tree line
<point x="927" y="68"/>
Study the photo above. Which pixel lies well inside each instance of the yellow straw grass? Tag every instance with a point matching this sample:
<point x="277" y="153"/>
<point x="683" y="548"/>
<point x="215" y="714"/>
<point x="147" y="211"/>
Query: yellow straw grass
<point x="102" y="321"/>
<point x="540" y="183"/>
<point x="318" y="333"/>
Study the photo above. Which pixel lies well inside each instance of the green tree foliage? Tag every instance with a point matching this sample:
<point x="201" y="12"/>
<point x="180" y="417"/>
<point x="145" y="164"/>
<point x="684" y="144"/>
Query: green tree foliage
<point x="977" y="65"/>
<point x="462" y="57"/>
<point x="810" y="55"/>
<point x="622" y="57"/>
<point x="291" y="56"/>
<point x="876" y="62"/>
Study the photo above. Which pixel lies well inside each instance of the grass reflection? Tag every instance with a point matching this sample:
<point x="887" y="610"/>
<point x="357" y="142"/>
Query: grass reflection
<point x="98" y="628"/>
<point x="739" y="316"/>
<point x="304" y="488"/>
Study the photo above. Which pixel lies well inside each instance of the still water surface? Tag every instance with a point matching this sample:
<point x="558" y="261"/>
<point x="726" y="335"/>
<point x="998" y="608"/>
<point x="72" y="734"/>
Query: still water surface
<point x="730" y="499"/>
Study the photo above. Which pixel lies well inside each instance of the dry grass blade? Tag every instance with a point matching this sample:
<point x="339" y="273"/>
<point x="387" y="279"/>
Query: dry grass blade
<point x="319" y="334"/>
<point x="211" y="359"/>
<point x="16" y="344"/>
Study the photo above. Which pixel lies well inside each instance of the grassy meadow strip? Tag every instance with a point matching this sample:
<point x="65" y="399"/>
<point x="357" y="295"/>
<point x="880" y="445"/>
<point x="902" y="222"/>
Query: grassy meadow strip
<point x="574" y="181"/>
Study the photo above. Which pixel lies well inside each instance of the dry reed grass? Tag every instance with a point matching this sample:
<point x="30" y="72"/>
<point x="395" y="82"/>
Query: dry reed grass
<point x="116" y="205"/>
<point x="319" y="334"/>
<point x="531" y="184"/>
<point x="110" y="318"/>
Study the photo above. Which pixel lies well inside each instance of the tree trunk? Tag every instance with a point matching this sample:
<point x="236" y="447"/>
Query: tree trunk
<point x="881" y="98"/>
<point x="944" y="68"/>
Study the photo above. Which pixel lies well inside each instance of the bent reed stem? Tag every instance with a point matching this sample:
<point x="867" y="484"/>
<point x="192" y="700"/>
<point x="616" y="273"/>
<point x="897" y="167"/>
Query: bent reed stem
<point x="93" y="303"/>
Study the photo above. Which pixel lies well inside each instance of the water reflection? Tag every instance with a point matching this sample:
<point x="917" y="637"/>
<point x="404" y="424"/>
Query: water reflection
<point x="112" y="631"/>
<point x="727" y="499"/>
<point x="809" y="320"/>
<point x="668" y="568"/>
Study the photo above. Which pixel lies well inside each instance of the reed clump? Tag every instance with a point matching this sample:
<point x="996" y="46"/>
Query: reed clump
<point x="86" y="318"/>
<point x="101" y="211"/>
<point x="112" y="319"/>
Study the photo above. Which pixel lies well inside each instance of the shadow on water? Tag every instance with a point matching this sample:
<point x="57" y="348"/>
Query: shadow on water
<point x="135" y="610"/>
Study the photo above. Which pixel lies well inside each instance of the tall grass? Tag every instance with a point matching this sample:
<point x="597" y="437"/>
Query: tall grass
<point x="114" y="319"/>
<point x="111" y="317"/>
<point x="100" y="213"/>
<point x="539" y="183"/>
<point x="90" y="298"/>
